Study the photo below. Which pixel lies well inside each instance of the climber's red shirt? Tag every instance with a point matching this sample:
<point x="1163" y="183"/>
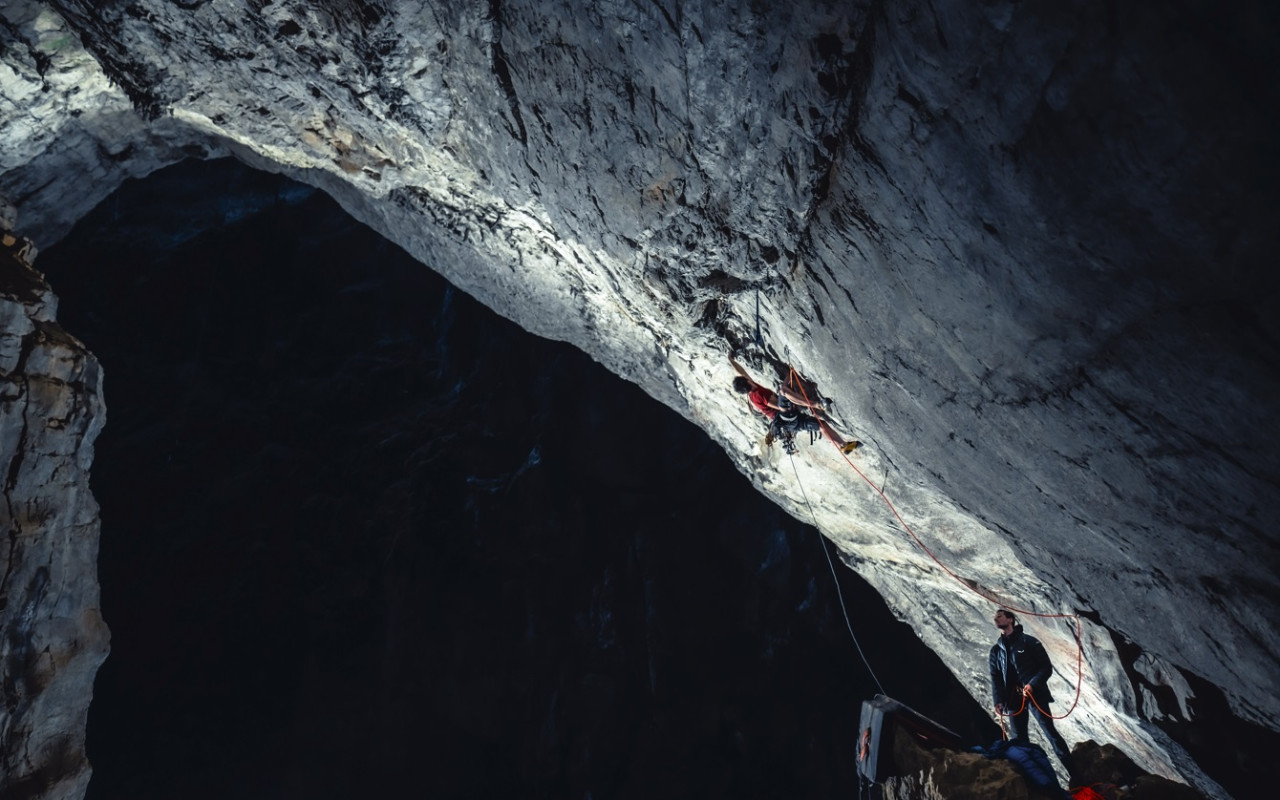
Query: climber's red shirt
<point x="760" y="398"/>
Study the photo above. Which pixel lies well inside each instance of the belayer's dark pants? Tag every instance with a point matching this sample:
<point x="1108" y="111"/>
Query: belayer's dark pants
<point x="1046" y="726"/>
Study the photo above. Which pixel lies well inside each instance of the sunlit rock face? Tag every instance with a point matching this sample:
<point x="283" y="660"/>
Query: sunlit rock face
<point x="1024" y="246"/>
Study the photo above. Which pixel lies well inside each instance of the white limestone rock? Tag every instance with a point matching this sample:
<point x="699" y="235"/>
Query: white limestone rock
<point x="1025" y="247"/>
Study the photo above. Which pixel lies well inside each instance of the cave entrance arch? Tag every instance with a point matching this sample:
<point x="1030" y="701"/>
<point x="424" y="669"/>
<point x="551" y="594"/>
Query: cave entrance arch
<point x="360" y="533"/>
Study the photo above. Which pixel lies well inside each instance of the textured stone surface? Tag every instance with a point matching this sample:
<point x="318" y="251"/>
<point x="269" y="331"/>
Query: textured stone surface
<point x="69" y="132"/>
<point x="942" y="774"/>
<point x="1023" y="245"/>
<point x="52" y="637"/>
<point x="662" y="632"/>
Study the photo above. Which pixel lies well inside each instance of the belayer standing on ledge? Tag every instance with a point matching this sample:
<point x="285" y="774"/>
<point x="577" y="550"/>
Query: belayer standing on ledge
<point x="1020" y="670"/>
<point x="781" y="408"/>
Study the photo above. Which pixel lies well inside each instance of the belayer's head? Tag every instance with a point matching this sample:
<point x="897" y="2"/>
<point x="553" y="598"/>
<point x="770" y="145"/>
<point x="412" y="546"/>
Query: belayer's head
<point x="741" y="385"/>
<point x="1005" y="620"/>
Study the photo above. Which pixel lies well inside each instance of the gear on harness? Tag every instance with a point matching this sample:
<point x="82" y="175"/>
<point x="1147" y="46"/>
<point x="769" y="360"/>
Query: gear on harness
<point x="784" y="435"/>
<point x="789" y="421"/>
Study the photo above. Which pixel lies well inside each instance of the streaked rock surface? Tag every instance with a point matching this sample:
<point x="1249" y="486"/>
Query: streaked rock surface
<point x="52" y="637"/>
<point x="1025" y="247"/>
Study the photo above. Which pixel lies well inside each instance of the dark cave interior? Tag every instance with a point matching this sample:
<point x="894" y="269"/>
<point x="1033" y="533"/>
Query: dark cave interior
<point x="359" y="535"/>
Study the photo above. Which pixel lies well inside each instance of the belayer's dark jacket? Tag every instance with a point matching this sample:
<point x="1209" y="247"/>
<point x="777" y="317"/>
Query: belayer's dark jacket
<point x="1019" y="660"/>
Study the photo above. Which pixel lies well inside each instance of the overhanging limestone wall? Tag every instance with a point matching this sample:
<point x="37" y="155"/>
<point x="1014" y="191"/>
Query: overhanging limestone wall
<point x="1022" y="246"/>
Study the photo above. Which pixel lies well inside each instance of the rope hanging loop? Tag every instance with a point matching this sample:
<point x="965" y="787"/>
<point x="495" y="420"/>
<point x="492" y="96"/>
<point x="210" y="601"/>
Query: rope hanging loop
<point x="795" y="378"/>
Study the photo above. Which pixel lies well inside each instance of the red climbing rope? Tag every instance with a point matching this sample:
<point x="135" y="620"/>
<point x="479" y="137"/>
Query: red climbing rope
<point x="799" y="382"/>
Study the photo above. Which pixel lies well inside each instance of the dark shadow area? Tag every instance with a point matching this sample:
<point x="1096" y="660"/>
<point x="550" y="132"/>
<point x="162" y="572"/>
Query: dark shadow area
<point x="1235" y="752"/>
<point x="361" y="536"/>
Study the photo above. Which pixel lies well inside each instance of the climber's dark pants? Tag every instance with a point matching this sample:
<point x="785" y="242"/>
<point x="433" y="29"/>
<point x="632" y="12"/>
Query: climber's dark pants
<point x="1046" y="726"/>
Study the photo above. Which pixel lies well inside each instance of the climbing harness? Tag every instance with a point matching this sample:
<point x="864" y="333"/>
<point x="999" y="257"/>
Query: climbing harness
<point x="967" y="584"/>
<point x="782" y="426"/>
<point x="787" y="422"/>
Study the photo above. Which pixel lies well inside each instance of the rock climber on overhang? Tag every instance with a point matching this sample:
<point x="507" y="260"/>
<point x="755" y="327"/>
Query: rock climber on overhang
<point x="783" y="410"/>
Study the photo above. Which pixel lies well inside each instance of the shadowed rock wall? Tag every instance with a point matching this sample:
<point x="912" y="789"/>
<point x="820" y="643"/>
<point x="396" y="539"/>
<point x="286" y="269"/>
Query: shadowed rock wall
<point x="1023" y="245"/>
<point x="52" y="638"/>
